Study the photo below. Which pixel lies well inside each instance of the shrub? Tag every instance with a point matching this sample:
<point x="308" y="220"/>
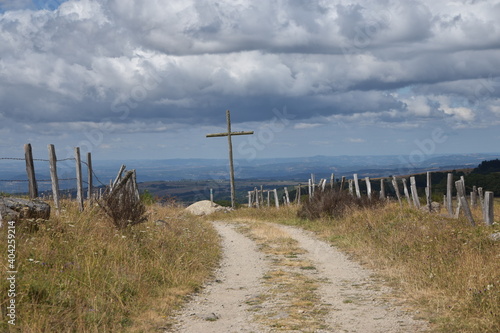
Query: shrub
<point x="122" y="203"/>
<point x="333" y="204"/>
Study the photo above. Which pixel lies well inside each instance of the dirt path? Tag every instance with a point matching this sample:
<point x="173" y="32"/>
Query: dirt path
<point x="275" y="278"/>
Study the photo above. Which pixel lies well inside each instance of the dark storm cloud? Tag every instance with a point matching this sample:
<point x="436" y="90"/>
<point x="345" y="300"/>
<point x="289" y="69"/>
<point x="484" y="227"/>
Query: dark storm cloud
<point x="184" y="62"/>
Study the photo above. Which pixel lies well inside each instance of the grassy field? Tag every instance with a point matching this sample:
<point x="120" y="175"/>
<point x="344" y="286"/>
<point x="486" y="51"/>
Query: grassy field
<point x="77" y="273"/>
<point x="443" y="267"/>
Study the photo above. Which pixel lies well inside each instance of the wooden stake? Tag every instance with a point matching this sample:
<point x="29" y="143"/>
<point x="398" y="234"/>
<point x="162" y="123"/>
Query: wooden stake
<point x="382" y="189"/>
<point x="396" y="189"/>
<point x="276" y="201"/>
<point x="368" y="187"/>
<point x="428" y="192"/>
<point x="30" y="170"/>
<point x="414" y="193"/>
<point x="356" y="185"/>
<point x="407" y="194"/>
<point x="79" y="185"/>
<point x="53" y="175"/>
<point x="449" y="194"/>
<point x="463" y="201"/>
<point x="488" y="208"/>
<point x="90" y="177"/>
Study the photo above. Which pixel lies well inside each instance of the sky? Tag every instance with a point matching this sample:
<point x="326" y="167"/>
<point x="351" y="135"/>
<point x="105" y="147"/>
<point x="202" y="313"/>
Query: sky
<point x="134" y="79"/>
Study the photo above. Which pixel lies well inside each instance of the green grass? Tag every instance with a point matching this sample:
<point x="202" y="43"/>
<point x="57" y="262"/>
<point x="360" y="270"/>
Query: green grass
<point x="77" y="273"/>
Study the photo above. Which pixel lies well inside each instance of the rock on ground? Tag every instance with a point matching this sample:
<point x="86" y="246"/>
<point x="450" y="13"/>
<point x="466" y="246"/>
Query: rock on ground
<point x="17" y="209"/>
<point x="205" y="207"/>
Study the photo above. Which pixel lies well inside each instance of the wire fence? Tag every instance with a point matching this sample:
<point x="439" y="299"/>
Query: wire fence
<point x="12" y="182"/>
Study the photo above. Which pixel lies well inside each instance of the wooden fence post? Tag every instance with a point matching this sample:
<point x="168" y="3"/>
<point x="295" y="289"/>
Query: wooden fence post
<point x="299" y="194"/>
<point x="90" y="177"/>
<point x="396" y="189"/>
<point x="309" y="189"/>
<point x="382" y="189"/>
<point x="463" y="201"/>
<point x="449" y="194"/>
<point x="481" y="196"/>
<point x="368" y="187"/>
<point x="249" y="199"/>
<point x="473" y="197"/>
<point x="79" y="186"/>
<point x="257" y="198"/>
<point x="356" y="185"/>
<point x="332" y="181"/>
<point x="313" y="184"/>
<point x="342" y="183"/>
<point x="428" y="192"/>
<point x="30" y="170"/>
<point x="414" y="192"/>
<point x="276" y="201"/>
<point x="488" y="208"/>
<point x="405" y="189"/>
<point x="53" y="175"/>
<point x="287" y="197"/>
<point x="351" y="190"/>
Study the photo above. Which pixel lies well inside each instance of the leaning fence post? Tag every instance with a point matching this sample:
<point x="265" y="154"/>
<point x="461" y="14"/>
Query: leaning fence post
<point x="396" y="188"/>
<point x="463" y="201"/>
<point x="287" y="196"/>
<point x="368" y="187"/>
<point x="488" y="208"/>
<point x="90" y="177"/>
<point x="53" y="175"/>
<point x="407" y="194"/>
<point x="342" y="182"/>
<point x="414" y="192"/>
<point x="79" y="187"/>
<point x="276" y="201"/>
<point x="30" y="170"/>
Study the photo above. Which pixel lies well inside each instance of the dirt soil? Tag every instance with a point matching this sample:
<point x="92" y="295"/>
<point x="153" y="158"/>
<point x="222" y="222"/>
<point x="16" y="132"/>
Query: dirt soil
<point x="243" y="297"/>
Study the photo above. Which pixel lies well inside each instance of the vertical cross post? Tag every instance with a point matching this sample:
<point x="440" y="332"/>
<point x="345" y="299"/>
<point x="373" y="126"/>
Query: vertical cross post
<point x="229" y="134"/>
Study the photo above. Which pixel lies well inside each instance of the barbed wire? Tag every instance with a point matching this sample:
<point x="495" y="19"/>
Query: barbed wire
<point x="48" y="180"/>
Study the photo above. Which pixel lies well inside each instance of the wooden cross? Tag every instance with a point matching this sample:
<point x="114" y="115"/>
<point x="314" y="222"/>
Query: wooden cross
<point x="229" y="134"/>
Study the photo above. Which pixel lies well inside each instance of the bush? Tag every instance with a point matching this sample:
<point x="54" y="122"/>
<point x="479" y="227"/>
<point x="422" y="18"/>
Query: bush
<point x="333" y="204"/>
<point x="123" y="204"/>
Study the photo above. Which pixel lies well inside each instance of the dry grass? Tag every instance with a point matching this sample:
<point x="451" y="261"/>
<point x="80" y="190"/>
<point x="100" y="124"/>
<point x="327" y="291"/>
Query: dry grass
<point x="291" y="300"/>
<point x="446" y="268"/>
<point x="76" y="273"/>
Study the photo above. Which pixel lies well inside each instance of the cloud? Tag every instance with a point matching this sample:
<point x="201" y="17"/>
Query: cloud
<point x="161" y="65"/>
<point x="354" y="140"/>
<point x="305" y="125"/>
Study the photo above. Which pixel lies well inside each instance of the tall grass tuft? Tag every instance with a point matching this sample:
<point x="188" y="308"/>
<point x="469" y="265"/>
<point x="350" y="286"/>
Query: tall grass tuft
<point x="77" y="273"/>
<point x="334" y="204"/>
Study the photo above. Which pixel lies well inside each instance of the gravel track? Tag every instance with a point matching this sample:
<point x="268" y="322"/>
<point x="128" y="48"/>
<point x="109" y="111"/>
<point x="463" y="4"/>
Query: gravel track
<point x="356" y="301"/>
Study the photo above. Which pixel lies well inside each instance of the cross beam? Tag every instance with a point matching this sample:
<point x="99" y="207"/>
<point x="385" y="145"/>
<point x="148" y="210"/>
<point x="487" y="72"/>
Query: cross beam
<point x="229" y="134"/>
